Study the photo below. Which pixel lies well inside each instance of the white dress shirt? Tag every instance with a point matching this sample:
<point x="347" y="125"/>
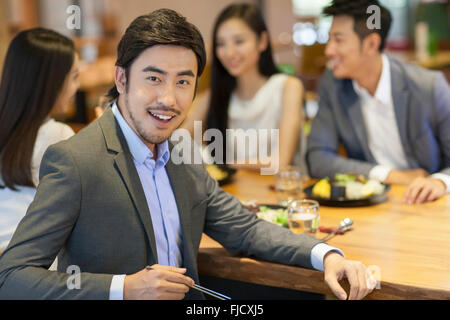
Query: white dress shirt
<point x="382" y="130"/>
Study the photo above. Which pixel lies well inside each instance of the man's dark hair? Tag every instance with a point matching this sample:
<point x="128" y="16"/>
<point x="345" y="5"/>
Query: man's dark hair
<point x="357" y="9"/>
<point x="160" y="27"/>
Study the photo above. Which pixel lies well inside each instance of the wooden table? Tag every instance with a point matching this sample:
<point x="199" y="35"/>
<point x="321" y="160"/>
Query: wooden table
<point x="409" y="245"/>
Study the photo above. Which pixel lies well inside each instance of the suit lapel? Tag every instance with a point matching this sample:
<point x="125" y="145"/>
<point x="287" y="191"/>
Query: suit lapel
<point x="348" y="98"/>
<point x="115" y="141"/>
<point x="180" y="187"/>
<point x="400" y="99"/>
<point x="130" y="178"/>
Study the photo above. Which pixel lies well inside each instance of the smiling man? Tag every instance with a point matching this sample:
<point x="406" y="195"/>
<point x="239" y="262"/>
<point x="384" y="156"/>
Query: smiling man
<point x="155" y="99"/>
<point x="393" y="119"/>
<point x="111" y="202"/>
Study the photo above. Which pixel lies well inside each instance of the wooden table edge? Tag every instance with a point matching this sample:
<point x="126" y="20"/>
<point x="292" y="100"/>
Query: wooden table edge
<point x="217" y="262"/>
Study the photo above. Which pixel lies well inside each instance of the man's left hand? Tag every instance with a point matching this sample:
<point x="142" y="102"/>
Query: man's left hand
<point x="361" y="281"/>
<point x="423" y="190"/>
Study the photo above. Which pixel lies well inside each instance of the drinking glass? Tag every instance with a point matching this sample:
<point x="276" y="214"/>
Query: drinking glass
<point x="288" y="184"/>
<point x="303" y="216"/>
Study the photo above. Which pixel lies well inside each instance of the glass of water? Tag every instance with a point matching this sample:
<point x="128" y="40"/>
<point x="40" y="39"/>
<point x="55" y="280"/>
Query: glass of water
<point x="303" y="216"/>
<point x="288" y="184"/>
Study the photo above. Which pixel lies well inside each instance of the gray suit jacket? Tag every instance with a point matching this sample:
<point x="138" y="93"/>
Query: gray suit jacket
<point x="91" y="209"/>
<point x="422" y="108"/>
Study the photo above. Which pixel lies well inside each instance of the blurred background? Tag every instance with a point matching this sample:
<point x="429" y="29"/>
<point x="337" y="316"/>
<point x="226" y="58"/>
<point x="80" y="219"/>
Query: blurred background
<point x="420" y="34"/>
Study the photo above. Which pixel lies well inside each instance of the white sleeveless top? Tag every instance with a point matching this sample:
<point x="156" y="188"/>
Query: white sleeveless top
<point x="263" y="111"/>
<point x="14" y="204"/>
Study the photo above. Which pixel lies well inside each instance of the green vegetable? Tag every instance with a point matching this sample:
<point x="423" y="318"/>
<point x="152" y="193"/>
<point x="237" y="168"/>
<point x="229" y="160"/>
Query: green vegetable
<point x="341" y="177"/>
<point x="282" y="218"/>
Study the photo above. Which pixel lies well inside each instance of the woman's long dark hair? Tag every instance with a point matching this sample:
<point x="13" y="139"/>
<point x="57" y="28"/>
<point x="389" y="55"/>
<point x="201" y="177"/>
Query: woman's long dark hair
<point x="222" y="83"/>
<point x="36" y="65"/>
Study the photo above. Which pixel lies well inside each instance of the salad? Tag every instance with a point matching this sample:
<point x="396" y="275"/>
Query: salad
<point x="347" y="187"/>
<point x="276" y="216"/>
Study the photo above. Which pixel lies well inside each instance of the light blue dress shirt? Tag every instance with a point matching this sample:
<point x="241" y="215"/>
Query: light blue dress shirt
<point x="158" y="192"/>
<point x="162" y="205"/>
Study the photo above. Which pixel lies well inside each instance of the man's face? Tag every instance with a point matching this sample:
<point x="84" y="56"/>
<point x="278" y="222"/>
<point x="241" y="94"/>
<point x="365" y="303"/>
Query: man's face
<point x="344" y="50"/>
<point x="161" y="86"/>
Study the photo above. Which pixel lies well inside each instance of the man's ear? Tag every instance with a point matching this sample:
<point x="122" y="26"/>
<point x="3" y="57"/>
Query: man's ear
<point x="371" y="43"/>
<point x="120" y="80"/>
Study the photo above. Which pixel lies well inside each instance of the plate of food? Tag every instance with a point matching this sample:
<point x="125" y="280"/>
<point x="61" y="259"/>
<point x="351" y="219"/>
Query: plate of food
<point x="348" y="190"/>
<point x="269" y="212"/>
<point x="220" y="172"/>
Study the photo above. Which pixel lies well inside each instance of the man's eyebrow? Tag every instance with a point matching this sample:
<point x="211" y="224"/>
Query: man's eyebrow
<point x="157" y="70"/>
<point x="154" y="69"/>
<point x="186" y="73"/>
<point x="337" y="33"/>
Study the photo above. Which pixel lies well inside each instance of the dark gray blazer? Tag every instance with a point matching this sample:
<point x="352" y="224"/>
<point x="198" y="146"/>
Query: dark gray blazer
<point x="91" y="209"/>
<point x="422" y="107"/>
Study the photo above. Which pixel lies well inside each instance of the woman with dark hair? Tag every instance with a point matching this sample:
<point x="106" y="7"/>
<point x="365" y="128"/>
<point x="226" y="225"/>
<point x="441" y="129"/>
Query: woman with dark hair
<point x="247" y="90"/>
<point x="40" y="76"/>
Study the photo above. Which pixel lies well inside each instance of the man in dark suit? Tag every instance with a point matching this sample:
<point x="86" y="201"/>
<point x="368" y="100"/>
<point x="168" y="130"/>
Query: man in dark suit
<point x="393" y="119"/>
<point x="111" y="202"/>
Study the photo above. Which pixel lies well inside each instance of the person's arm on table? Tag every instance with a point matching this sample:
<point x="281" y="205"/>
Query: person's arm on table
<point x="140" y="286"/>
<point x="432" y="187"/>
<point x="240" y="231"/>
<point x="421" y="186"/>
<point x="427" y="189"/>
<point x="392" y="176"/>
<point x="361" y="281"/>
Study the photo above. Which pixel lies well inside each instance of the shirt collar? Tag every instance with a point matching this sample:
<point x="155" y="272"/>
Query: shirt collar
<point x="383" y="91"/>
<point x="138" y="149"/>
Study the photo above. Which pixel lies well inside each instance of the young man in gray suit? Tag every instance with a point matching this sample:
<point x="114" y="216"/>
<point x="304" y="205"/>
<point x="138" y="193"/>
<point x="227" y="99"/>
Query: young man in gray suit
<point x="111" y="202"/>
<point x="393" y="119"/>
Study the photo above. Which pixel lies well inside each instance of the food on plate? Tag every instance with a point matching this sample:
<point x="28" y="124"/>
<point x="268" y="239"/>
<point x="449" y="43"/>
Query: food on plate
<point x="322" y="189"/>
<point x="276" y="216"/>
<point x="215" y="172"/>
<point x="338" y="190"/>
<point x="347" y="187"/>
<point x="345" y="177"/>
<point x="273" y="214"/>
<point x="357" y="190"/>
<point x="251" y="206"/>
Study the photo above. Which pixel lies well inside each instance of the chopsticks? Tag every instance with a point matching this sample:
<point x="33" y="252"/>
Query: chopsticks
<point x="203" y="289"/>
<point x="211" y="292"/>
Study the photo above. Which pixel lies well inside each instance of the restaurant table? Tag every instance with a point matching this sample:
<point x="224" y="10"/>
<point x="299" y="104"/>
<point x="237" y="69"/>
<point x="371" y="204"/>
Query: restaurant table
<point x="407" y="245"/>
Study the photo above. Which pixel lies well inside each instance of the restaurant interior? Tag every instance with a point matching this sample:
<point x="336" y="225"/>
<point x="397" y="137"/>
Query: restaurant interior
<point x="298" y="30"/>
<point x="407" y="248"/>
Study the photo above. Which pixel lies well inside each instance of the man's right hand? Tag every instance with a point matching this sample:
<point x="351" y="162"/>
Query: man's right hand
<point x="404" y="177"/>
<point x="158" y="283"/>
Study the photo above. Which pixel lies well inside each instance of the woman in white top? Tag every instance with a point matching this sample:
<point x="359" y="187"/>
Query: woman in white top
<point x="247" y="90"/>
<point x="40" y="76"/>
